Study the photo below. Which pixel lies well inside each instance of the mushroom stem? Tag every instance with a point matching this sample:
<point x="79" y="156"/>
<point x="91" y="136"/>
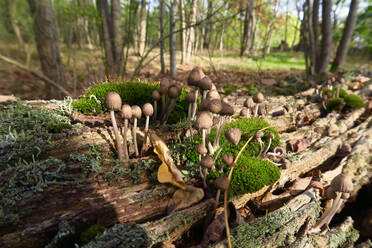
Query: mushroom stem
<point x="203" y="138"/>
<point x="195" y="104"/>
<point x="334" y="209"/>
<point x="256" y="110"/>
<point x="218" y="195"/>
<point x="261" y="144"/>
<point x="268" y="147"/>
<point x="170" y="108"/>
<point x="204" y="94"/>
<point x="189" y="112"/>
<point x="135" y="137"/>
<point x="202" y="176"/>
<point x="218" y="134"/>
<point x="116" y="133"/>
<point x="219" y="150"/>
<point x="155" y="110"/>
<point x="146" y="134"/>
<point x="125" y="138"/>
<point x="248" y="113"/>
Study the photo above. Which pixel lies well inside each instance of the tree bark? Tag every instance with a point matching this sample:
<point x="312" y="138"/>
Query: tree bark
<point x="161" y="20"/>
<point x="116" y="33"/>
<point x="247" y="28"/>
<point x="142" y="36"/>
<point x="338" y="63"/>
<point x="46" y="37"/>
<point x="326" y="48"/>
<point x="315" y="20"/>
<point x="10" y="5"/>
<point x="191" y="31"/>
<point x="172" y="38"/>
<point x="183" y="32"/>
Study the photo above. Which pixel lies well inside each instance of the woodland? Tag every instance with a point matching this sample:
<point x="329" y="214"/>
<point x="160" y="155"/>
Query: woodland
<point x="185" y="123"/>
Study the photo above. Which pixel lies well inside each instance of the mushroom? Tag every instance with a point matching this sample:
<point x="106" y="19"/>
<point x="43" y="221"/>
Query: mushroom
<point x="126" y="113"/>
<point x="195" y="76"/>
<point x="244" y="112"/>
<point x="205" y="84"/>
<point x="258" y="135"/>
<point x="203" y="122"/>
<point x="249" y="104"/>
<point x="222" y="183"/>
<point x="227" y="110"/>
<point x="271" y="137"/>
<point x="340" y="189"/>
<point x="164" y="85"/>
<point x="148" y="111"/>
<point x="156" y="97"/>
<point x="228" y="159"/>
<point x="215" y="107"/>
<point x="206" y="163"/>
<point x="213" y="94"/>
<point x="344" y="150"/>
<point x="190" y="98"/>
<point x="232" y="135"/>
<point x="136" y="114"/>
<point x="173" y="93"/>
<point x="258" y="98"/>
<point x="113" y="103"/>
<point x="201" y="150"/>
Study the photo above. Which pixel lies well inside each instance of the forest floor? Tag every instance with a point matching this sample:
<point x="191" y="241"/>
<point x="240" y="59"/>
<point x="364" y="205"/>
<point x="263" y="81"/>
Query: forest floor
<point x="279" y="73"/>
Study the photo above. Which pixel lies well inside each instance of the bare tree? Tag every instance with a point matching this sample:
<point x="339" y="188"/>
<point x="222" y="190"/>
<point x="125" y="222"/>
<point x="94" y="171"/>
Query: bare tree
<point x="341" y="53"/>
<point x="183" y="32"/>
<point x="10" y="6"/>
<point x="326" y="48"/>
<point x="142" y="35"/>
<point x="247" y="27"/>
<point x="172" y="38"/>
<point x="190" y="40"/>
<point x="161" y="20"/>
<point x="46" y="37"/>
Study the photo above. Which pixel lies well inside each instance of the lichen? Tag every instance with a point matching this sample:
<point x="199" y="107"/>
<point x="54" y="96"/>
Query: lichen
<point x="132" y="93"/>
<point x="91" y="233"/>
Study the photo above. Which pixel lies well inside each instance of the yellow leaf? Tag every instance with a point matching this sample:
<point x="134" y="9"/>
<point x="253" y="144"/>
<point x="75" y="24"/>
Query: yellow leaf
<point x="167" y="172"/>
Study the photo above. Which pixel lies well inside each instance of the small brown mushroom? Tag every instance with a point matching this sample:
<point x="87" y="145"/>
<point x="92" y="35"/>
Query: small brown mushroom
<point x="213" y="94"/>
<point x="344" y="150"/>
<point x="148" y="111"/>
<point x="190" y="99"/>
<point x="258" y="135"/>
<point x="206" y="163"/>
<point x="203" y="122"/>
<point x="228" y="159"/>
<point x="271" y="137"/>
<point x="244" y="112"/>
<point x="232" y="135"/>
<point x="113" y="103"/>
<point x="249" y="104"/>
<point x="156" y="97"/>
<point x="226" y="111"/>
<point x="205" y="84"/>
<point x="195" y="76"/>
<point x="222" y="183"/>
<point x="341" y="187"/>
<point x="136" y="114"/>
<point x="164" y="85"/>
<point x="173" y="92"/>
<point x="258" y="98"/>
<point x="126" y="113"/>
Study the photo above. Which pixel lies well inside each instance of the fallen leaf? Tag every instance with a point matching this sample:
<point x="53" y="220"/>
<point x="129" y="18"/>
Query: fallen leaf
<point x="299" y="145"/>
<point x="300" y="185"/>
<point x="167" y="172"/>
<point x="182" y="199"/>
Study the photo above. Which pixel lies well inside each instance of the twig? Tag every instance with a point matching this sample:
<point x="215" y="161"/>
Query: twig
<point x="36" y="74"/>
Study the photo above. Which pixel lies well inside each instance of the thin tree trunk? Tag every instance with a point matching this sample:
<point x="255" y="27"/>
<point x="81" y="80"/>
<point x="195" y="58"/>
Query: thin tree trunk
<point x="142" y="36"/>
<point x="183" y="32"/>
<point x="221" y="37"/>
<point x="172" y="38"/>
<point x="315" y="16"/>
<point x="245" y="38"/>
<point x="326" y="49"/>
<point x="253" y="32"/>
<point x="46" y="37"/>
<point x="341" y="53"/>
<point x="310" y="37"/>
<point x="161" y="20"/>
<point x="191" y="35"/>
<point x="10" y="10"/>
<point x="116" y="32"/>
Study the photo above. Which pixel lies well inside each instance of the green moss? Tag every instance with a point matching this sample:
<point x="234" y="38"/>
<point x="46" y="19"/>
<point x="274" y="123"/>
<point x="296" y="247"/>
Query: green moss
<point x="354" y="101"/>
<point x="58" y="127"/>
<point x="91" y="233"/>
<point x="253" y="177"/>
<point x="334" y="104"/>
<point x="251" y="89"/>
<point x="342" y="93"/>
<point x="132" y="93"/>
<point x="229" y="89"/>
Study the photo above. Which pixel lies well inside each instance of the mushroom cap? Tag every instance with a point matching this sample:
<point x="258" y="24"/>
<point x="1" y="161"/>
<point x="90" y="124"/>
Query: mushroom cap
<point x="227" y="158"/>
<point x="113" y="101"/>
<point x="213" y="94"/>
<point x="215" y="120"/>
<point x="190" y="97"/>
<point x="156" y="95"/>
<point x="280" y="150"/>
<point x="204" y="121"/>
<point x="258" y="98"/>
<point x="195" y="76"/>
<point x="227" y="109"/>
<point x="330" y="193"/>
<point x="225" y="99"/>
<point x="205" y="83"/>
<point x="271" y="135"/>
<point x="215" y="106"/>
<point x="201" y="149"/>
<point x="148" y="109"/>
<point x="207" y="162"/>
<point x="346" y="148"/>
<point x="262" y="110"/>
<point x="345" y="196"/>
<point x="342" y="183"/>
<point x="136" y="111"/>
<point x="204" y="105"/>
<point x="243" y="112"/>
<point x="249" y="103"/>
<point x="233" y="135"/>
<point x="164" y="85"/>
<point x="222" y="183"/>
<point x="173" y="91"/>
<point x="259" y="134"/>
<point x="126" y="111"/>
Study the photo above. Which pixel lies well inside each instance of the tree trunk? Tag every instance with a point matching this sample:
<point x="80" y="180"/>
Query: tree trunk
<point x="326" y="49"/>
<point x="116" y="33"/>
<point x="221" y="37"/>
<point x="310" y="50"/>
<point x="315" y="16"/>
<point x="191" y="32"/>
<point x="142" y="36"/>
<point x="46" y="37"/>
<point x="10" y="4"/>
<point x="247" y="27"/>
<point x="161" y="20"/>
<point x="183" y="32"/>
<point x="172" y="38"/>
<point x="338" y="63"/>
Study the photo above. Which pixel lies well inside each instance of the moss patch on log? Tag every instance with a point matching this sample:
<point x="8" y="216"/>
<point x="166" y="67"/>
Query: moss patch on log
<point x="132" y="93"/>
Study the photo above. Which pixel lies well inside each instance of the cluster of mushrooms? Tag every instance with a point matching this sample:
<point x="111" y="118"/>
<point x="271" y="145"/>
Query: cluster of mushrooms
<point x="113" y="103"/>
<point x="168" y="92"/>
<point x="254" y="106"/>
